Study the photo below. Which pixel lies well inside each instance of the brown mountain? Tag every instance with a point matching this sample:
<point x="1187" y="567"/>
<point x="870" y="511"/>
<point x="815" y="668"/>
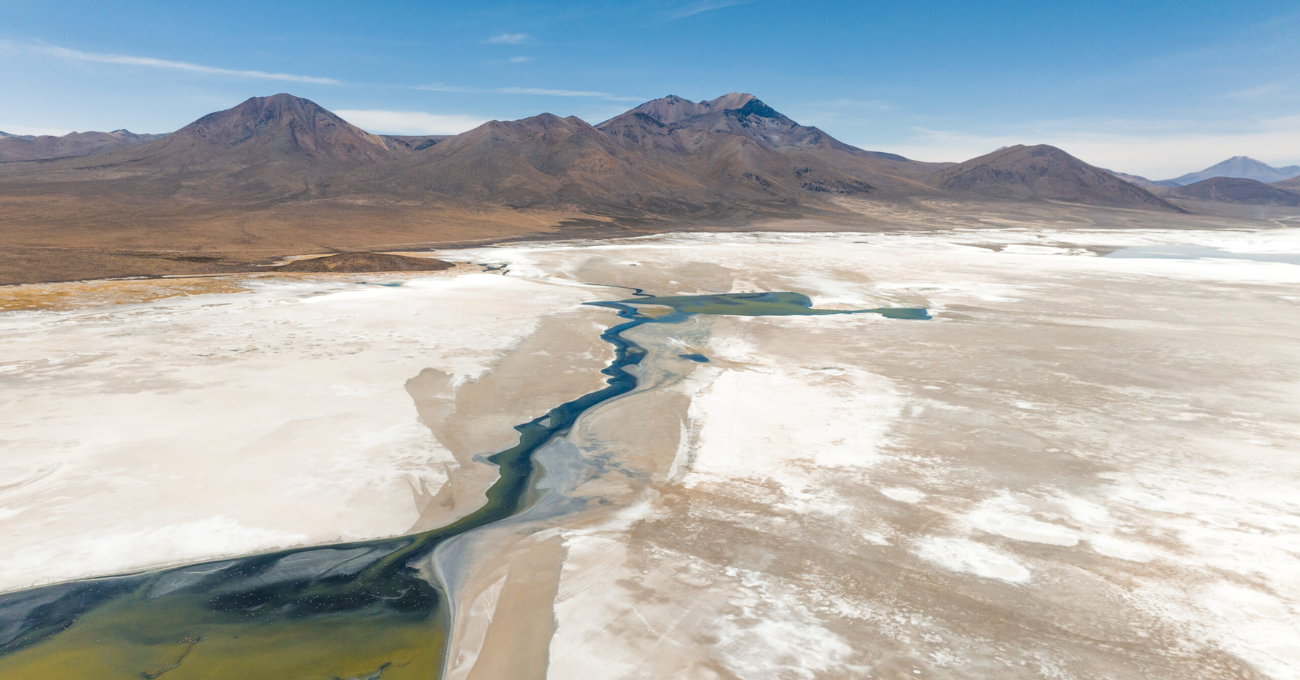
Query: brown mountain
<point x="1237" y="190"/>
<point x="1044" y="173"/>
<point x="1292" y="184"/>
<point x="265" y="148"/>
<point x="730" y="157"/>
<point x="43" y="147"/>
<point x="738" y="141"/>
<point x="540" y="162"/>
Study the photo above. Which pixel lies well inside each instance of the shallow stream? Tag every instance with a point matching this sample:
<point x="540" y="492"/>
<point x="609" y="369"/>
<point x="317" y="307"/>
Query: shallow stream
<point x="366" y="609"/>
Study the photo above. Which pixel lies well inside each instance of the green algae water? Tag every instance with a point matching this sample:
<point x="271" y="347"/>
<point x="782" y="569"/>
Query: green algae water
<point x="764" y="304"/>
<point x="364" y="610"/>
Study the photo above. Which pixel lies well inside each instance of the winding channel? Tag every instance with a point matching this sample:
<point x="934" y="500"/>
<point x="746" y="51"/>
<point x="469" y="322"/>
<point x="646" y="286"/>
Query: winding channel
<point x="363" y="610"/>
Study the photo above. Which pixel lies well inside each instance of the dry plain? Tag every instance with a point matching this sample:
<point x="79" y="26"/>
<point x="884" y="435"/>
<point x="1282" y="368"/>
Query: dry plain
<point x="1082" y="466"/>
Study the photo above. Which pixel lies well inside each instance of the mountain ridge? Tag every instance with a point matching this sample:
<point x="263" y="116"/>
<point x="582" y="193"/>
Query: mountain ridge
<point x="1243" y="167"/>
<point x="1240" y="190"/>
<point x="281" y="175"/>
<point x="48" y="147"/>
<point x="1043" y="172"/>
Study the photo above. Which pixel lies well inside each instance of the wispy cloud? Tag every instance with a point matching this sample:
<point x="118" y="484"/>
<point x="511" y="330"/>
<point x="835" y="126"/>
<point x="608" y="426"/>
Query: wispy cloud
<point x="539" y="91"/>
<point x="150" y="62"/>
<point x="410" y="122"/>
<point x="519" y="60"/>
<point x="508" y="39"/>
<point x="1268" y="91"/>
<point x="693" y="8"/>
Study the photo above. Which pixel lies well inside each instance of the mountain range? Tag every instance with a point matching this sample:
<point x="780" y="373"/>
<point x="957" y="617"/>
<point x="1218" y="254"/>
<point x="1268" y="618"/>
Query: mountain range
<point x="1241" y="167"/>
<point x="282" y="174"/>
<point x="1238" y="190"/>
<point x="730" y="157"/>
<point x="1045" y="172"/>
<point x="43" y="147"/>
<point x="1238" y="167"/>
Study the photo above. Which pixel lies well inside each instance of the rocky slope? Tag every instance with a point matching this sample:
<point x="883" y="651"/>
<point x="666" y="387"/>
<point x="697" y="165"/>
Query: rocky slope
<point x="1044" y="173"/>
<point x="1237" y="190"/>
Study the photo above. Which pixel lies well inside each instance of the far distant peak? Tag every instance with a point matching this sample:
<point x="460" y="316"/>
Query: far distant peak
<point x="1240" y="167"/>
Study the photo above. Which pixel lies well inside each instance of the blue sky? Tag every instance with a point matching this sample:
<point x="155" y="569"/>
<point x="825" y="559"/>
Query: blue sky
<point x="1155" y="88"/>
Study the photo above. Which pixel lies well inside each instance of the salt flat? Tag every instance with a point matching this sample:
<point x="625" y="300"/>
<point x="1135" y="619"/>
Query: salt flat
<point x="196" y="427"/>
<point x="1082" y="466"/>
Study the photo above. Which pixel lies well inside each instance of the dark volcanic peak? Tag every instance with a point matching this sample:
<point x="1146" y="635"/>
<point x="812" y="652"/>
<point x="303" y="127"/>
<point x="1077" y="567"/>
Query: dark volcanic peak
<point x="267" y="148"/>
<point x="1044" y="172"/>
<point x="736" y="113"/>
<point x="288" y="123"/>
<point x="739" y="140"/>
<point x="1238" y="190"/>
<point x="44" y="147"/>
<point x="1241" y="167"/>
<point x="672" y="109"/>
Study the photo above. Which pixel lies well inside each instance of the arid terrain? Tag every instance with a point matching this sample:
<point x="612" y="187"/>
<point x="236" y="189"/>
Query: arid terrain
<point x="1079" y="467"/>
<point x="286" y="398"/>
<point x="280" y="176"/>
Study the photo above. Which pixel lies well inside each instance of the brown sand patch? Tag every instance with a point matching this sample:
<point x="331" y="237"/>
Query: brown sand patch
<point x="358" y="263"/>
<point x="76" y="294"/>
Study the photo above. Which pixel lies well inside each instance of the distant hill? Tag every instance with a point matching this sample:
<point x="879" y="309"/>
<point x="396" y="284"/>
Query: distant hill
<point x="1241" y="167"/>
<point x="1142" y="181"/>
<point x="43" y="147"/>
<point x="1238" y="190"/>
<point x="403" y="144"/>
<point x="265" y="148"/>
<point x="1044" y="172"/>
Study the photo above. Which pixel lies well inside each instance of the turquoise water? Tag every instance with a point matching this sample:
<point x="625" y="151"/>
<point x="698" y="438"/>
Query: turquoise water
<point x="764" y="304"/>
